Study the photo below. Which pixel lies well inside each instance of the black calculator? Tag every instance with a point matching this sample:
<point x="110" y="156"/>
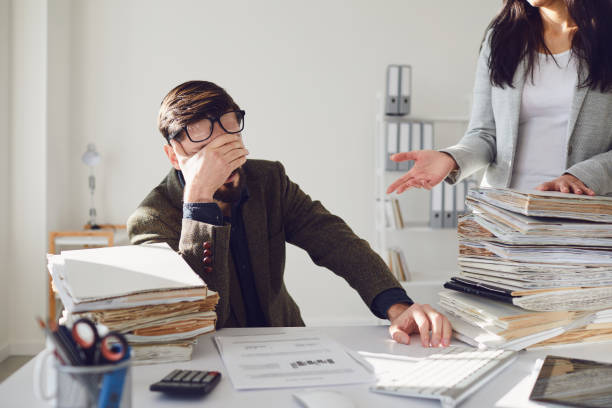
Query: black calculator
<point x="187" y="382"/>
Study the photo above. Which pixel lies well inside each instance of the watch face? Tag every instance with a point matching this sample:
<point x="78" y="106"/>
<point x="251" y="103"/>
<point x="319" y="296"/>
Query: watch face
<point x="573" y="382"/>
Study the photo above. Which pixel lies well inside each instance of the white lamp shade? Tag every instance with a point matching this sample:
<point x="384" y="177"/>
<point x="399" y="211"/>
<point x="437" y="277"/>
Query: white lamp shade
<point x="91" y="157"/>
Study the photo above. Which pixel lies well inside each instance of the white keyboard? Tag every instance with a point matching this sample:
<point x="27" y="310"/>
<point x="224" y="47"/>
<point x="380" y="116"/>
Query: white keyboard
<point x="449" y="375"/>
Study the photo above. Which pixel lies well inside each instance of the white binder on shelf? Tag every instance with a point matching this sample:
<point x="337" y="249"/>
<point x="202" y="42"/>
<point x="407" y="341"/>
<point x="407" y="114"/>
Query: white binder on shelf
<point x="449" y="206"/>
<point x="435" y="218"/>
<point x="389" y="215"/>
<point x="427" y="140"/>
<point x="381" y="214"/>
<point x="416" y="131"/>
<point x="404" y="146"/>
<point x="391" y="145"/>
<point x="393" y="90"/>
<point x="405" y="89"/>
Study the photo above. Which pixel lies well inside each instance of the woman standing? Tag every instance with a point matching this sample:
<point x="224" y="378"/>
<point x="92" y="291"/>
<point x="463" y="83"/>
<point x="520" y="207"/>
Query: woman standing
<point x="542" y="114"/>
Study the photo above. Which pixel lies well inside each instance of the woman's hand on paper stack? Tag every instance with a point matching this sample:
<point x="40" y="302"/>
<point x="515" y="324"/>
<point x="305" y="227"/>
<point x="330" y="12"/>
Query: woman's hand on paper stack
<point x="566" y="184"/>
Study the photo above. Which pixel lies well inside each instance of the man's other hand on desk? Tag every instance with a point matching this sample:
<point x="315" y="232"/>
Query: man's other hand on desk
<point x="421" y="319"/>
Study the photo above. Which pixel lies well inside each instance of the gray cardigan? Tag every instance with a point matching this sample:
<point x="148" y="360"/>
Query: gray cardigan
<point x="492" y="133"/>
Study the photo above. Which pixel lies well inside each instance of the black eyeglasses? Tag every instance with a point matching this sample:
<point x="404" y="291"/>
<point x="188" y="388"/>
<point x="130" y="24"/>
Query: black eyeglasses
<point x="231" y="122"/>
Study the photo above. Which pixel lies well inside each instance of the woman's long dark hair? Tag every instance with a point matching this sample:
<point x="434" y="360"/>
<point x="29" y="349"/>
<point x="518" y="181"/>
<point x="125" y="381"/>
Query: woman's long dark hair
<point x="517" y="33"/>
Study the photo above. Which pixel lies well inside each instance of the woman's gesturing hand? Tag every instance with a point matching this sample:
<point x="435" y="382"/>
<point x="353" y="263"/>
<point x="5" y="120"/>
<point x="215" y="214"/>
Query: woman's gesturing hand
<point x="430" y="168"/>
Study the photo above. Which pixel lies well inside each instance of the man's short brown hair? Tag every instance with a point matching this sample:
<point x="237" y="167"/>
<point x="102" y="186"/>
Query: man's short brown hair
<point x="190" y="102"/>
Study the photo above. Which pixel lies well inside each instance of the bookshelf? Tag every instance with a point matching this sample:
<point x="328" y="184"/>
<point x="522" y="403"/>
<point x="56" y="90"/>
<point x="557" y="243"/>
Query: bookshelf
<point x="430" y="253"/>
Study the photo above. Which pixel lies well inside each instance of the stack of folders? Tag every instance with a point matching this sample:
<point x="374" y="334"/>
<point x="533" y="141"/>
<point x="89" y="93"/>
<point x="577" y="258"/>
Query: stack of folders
<point x="448" y="203"/>
<point x="397" y="264"/>
<point x="535" y="270"/>
<point x="406" y="136"/>
<point x="146" y="292"/>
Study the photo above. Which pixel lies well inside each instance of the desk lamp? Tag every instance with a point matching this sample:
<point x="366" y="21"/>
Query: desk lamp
<point x="91" y="158"/>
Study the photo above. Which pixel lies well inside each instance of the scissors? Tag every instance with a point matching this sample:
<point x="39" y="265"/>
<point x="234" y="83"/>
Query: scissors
<point x="96" y="349"/>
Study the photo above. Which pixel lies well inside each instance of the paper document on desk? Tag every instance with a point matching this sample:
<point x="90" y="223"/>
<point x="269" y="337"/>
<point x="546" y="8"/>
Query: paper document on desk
<point x="290" y="360"/>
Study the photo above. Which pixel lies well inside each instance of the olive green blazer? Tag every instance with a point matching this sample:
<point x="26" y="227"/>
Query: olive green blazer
<point x="277" y="211"/>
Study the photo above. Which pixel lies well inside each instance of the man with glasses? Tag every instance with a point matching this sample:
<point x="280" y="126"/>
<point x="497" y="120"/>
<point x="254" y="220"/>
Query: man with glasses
<point x="230" y="219"/>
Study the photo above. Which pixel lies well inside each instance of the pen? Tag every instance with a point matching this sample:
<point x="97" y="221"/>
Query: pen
<point x="59" y="352"/>
<point x="63" y="335"/>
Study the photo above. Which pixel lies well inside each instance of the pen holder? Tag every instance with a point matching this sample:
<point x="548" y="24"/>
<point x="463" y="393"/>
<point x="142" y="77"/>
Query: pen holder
<point x="100" y="386"/>
<point x="103" y="386"/>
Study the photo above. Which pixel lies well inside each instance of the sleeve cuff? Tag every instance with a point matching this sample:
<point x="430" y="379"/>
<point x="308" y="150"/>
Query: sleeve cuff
<point x="589" y="178"/>
<point x="455" y="175"/>
<point x="209" y="213"/>
<point x="387" y="298"/>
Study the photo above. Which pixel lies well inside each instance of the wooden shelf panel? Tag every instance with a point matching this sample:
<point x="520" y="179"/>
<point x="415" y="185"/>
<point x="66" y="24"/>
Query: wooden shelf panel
<point x="81" y="241"/>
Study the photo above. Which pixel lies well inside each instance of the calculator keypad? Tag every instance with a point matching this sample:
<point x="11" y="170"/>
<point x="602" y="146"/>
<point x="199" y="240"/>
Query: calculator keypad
<point x="187" y="382"/>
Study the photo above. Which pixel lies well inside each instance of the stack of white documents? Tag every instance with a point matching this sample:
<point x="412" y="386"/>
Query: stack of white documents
<point x="147" y="292"/>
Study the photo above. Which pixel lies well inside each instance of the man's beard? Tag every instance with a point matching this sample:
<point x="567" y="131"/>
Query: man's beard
<point x="228" y="193"/>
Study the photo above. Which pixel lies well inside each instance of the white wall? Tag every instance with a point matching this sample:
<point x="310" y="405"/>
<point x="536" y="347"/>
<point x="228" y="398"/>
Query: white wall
<point x="59" y="106"/>
<point x="4" y="168"/>
<point x="307" y="73"/>
<point x="27" y="152"/>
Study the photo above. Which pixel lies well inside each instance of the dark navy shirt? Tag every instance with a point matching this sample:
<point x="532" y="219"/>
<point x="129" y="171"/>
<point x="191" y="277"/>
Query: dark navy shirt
<point x="210" y="213"/>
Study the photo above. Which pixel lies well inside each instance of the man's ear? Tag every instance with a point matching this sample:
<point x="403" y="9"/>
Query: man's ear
<point x="171" y="156"/>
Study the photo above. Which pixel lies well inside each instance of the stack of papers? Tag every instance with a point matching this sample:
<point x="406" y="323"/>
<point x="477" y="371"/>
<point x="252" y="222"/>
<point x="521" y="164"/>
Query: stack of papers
<point x="492" y="324"/>
<point x="147" y="292"/>
<point x="547" y="203"/>
<point x="304" y="359"/>
<point x="519" y="253"/>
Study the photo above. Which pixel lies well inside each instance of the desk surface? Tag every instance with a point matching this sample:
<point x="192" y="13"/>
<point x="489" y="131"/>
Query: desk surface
<point x="509" y="389"/>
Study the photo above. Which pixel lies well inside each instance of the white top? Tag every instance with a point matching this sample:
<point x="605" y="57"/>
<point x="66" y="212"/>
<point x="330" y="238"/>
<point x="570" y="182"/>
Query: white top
<point x="541" y="151"/>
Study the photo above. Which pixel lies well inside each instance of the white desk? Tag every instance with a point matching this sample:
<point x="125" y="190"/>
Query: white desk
<point x="509" y="389"/>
